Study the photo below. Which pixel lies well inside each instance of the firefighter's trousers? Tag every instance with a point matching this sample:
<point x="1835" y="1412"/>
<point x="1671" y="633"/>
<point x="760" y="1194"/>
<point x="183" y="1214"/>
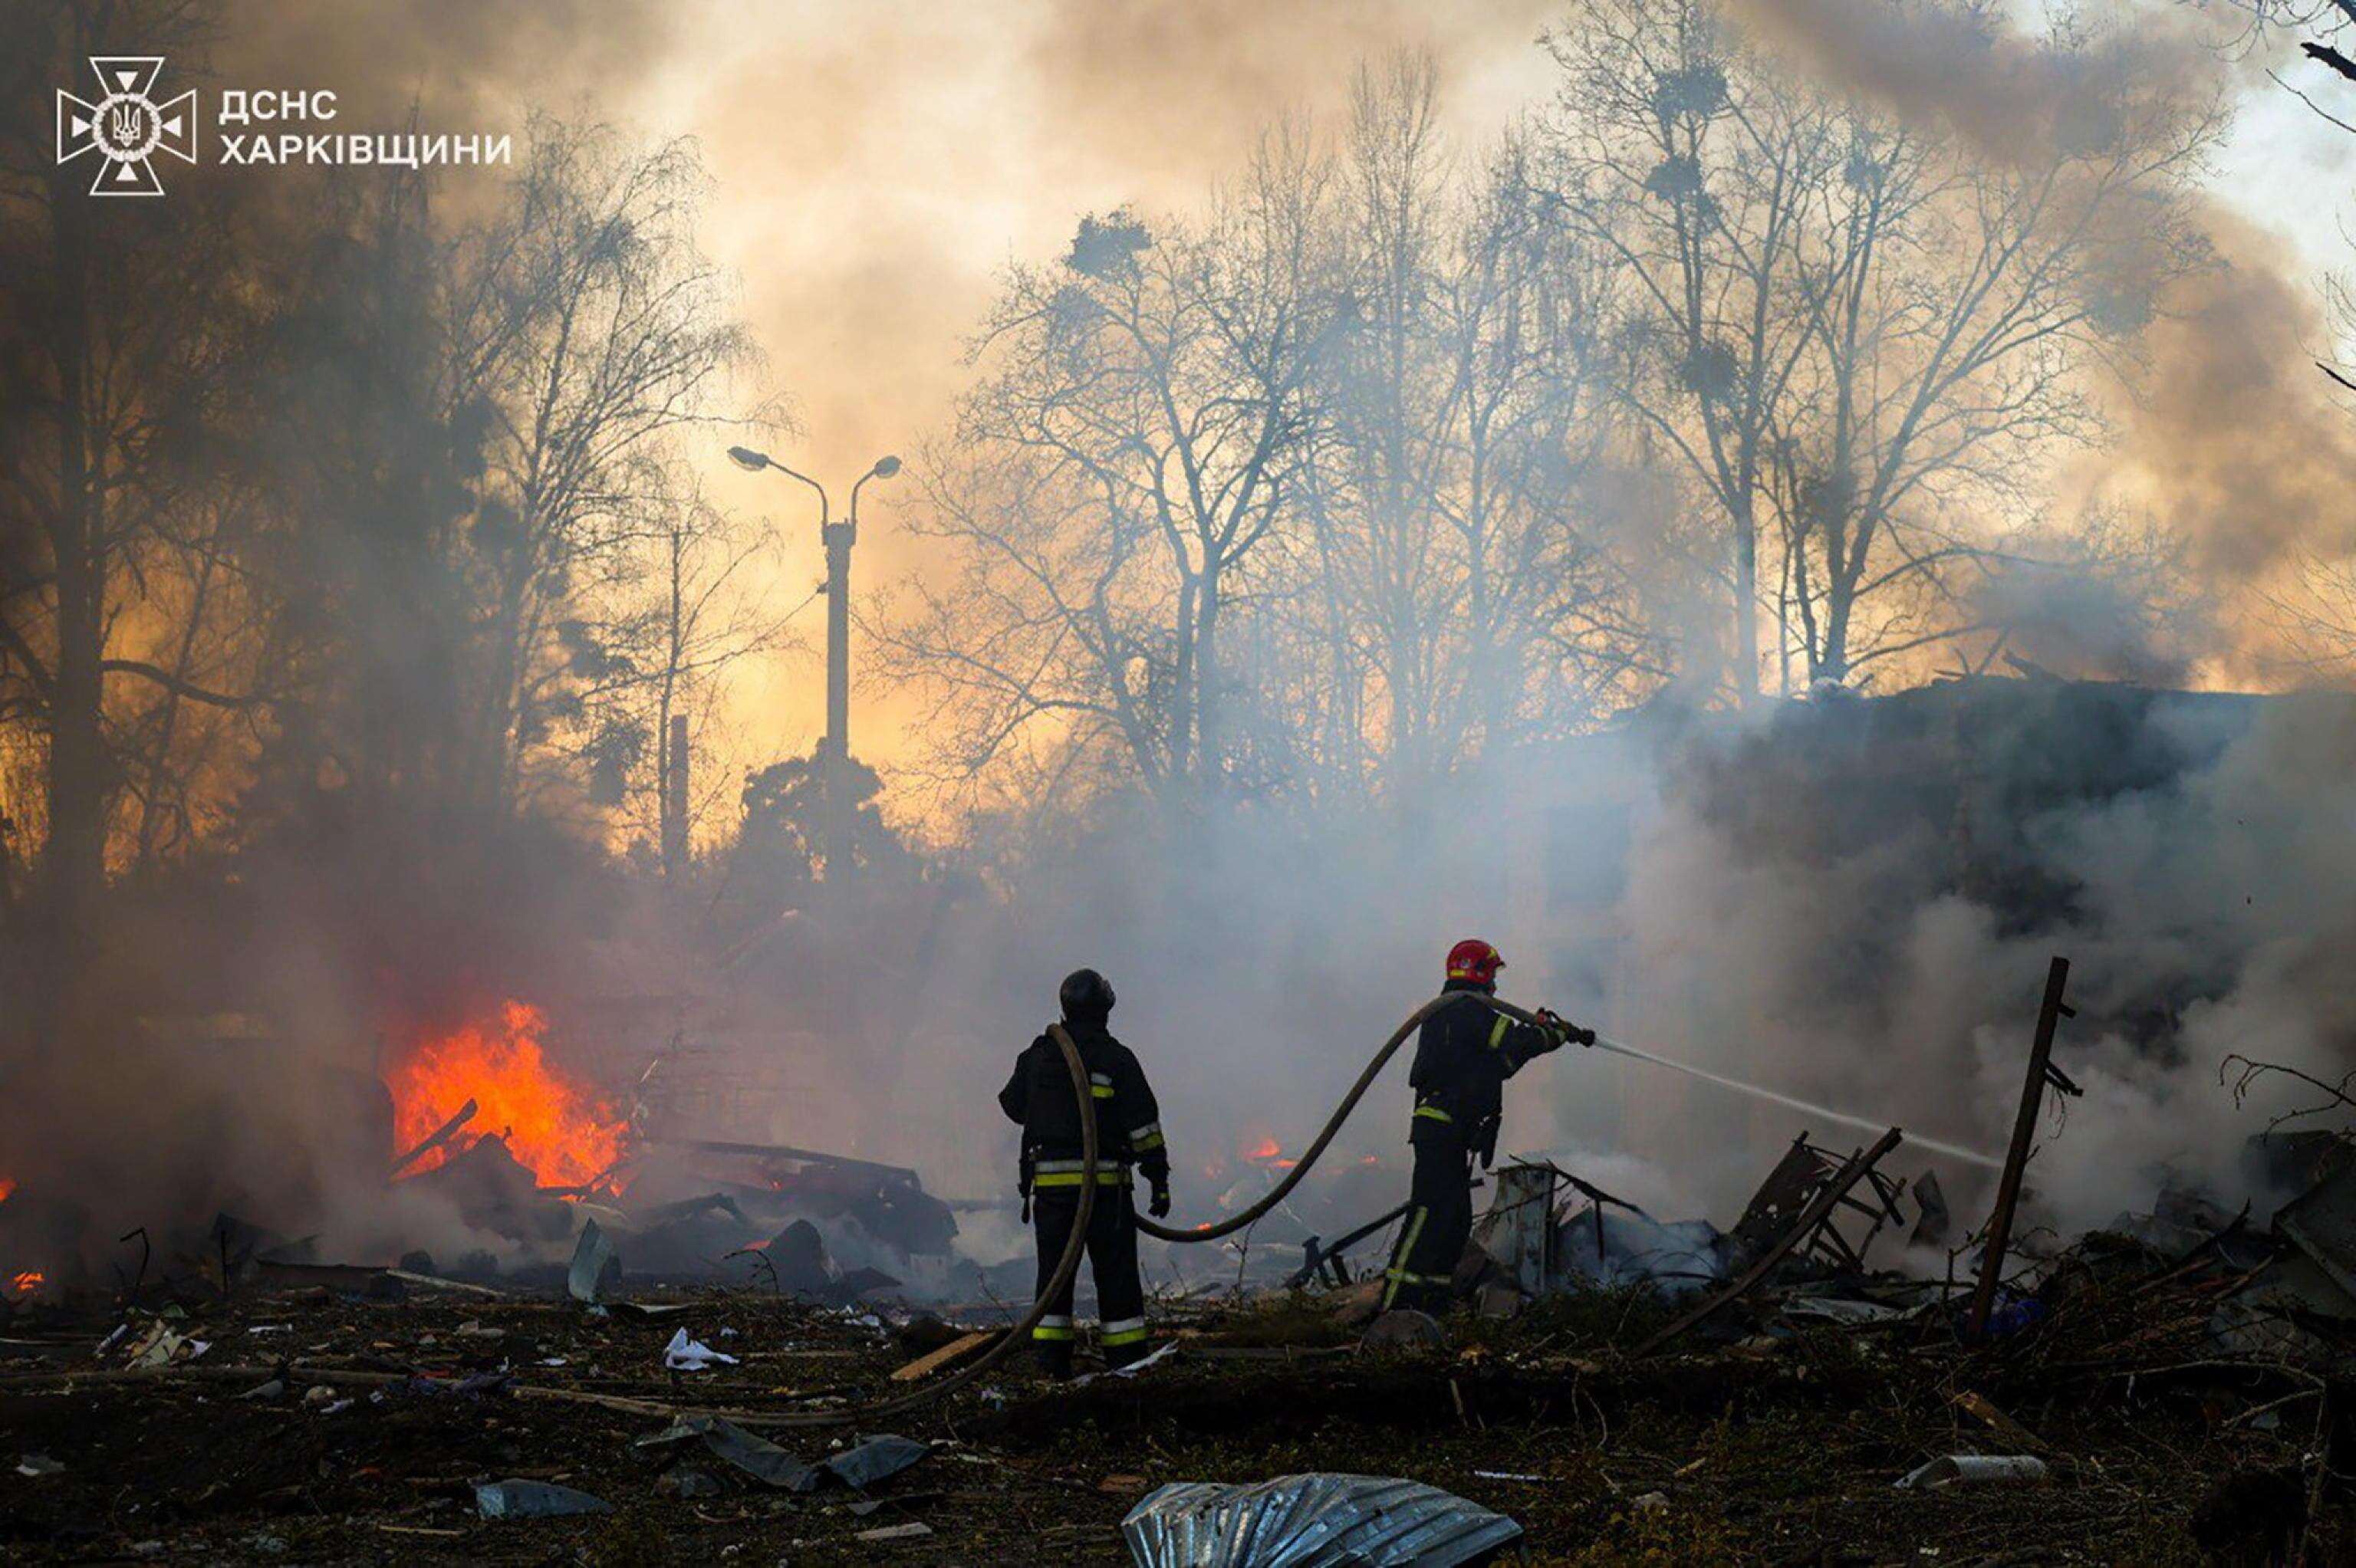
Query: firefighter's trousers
<point x="1439" y="1222"/>
<point x="1112" y="1261"/>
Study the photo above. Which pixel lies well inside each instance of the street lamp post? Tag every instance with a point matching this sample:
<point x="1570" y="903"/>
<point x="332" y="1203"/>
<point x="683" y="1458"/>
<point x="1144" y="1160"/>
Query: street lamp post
<point x="834" y="750"/>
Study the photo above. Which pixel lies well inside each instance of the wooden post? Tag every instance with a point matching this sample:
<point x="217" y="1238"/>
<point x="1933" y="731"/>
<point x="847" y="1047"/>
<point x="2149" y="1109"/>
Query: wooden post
<point x="2015" y="1159"/>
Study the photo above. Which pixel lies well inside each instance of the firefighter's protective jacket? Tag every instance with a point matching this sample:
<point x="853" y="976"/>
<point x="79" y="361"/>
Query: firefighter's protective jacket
<point x="1129" y="1122"/>
<point x="1464" y="1054"/>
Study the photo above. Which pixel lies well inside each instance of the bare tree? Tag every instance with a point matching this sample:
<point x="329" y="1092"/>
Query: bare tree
<point x="649" y="656"/>
<point x="1954" y="309"/>
<point x="1122" y="458"/>
<point x="113" y="348"/>
<point x="1444" y="523"/>
<point x="589" y="328"/>
<point x="1699" y="174"/>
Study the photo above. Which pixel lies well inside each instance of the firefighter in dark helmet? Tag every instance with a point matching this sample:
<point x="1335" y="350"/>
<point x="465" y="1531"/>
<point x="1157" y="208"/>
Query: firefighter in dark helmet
<point x="1129" y="1134"/>
<point x="1463" y="1055"/>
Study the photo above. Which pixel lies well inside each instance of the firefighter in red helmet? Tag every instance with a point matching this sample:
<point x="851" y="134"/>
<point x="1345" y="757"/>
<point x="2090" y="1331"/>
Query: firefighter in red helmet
<point x="1463" y="1055"/>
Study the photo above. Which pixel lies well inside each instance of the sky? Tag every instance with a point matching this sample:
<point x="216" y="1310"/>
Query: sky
<point x="876" y="165"/>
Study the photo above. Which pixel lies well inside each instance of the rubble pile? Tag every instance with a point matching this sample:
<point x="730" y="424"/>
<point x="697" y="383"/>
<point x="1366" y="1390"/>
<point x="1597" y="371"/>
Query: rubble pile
<point x="2167" y="1390"/>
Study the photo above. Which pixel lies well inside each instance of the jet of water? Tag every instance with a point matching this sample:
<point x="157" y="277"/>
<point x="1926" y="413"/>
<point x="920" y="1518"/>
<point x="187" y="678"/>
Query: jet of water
<point x="1953" y="1151"/>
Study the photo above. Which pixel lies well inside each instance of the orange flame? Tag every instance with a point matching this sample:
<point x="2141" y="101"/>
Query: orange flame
<point x="562" y="1130"/>
<point x="1268" y="1149"/>
<point x="8" y="1188"/>
<point x="31" y="1279"/>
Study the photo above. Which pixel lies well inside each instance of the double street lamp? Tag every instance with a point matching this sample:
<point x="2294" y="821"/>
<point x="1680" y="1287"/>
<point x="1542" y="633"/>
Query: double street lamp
<point x="835" y="749"/>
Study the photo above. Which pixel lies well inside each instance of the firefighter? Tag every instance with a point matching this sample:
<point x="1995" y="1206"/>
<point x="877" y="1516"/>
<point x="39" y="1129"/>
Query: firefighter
<point x="1128" y="1132"/>
<point x="1463" y="1055"/>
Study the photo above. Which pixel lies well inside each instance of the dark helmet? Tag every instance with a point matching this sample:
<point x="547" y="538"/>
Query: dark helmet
<point x="1087" y="997"/>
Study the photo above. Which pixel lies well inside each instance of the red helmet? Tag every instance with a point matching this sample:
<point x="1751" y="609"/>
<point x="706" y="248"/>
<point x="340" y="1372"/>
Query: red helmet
<point x="1475" y="960"/>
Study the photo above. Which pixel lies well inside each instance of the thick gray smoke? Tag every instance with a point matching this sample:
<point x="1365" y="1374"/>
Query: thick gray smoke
<point x="1776" y="900"/>
<point x="2224" y="429"/>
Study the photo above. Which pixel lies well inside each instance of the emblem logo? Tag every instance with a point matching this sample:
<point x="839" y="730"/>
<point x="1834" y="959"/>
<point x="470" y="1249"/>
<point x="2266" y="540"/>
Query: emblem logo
<point x="126" y="127"/>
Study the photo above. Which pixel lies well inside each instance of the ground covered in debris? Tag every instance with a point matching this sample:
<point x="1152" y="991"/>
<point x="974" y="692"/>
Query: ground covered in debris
<point x="321" y="1424"/>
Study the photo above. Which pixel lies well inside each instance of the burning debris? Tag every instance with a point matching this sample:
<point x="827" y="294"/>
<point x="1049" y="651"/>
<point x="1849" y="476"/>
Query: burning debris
<point x="544" y="1121"/>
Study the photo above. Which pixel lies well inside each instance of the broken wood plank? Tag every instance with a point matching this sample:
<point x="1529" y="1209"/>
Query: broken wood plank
<point x="1810" y="1217"/>
<point x="931" y="1361"/>
<point x="433" y="1140"/>
<point x="1984" y="1410"/>
<point x="436" y="1282"/>
<point x="788" y="1151"/>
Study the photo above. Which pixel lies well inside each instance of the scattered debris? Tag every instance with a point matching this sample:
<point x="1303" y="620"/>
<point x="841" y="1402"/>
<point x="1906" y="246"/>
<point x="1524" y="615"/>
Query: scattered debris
<point x="1977" y="1470"/>
<point x="648" y="1311"/>
<point x="1404" y="1329"/>
<point x="686" y="1481"/>
<point x="875" y="1459"/>
<point x="1982" y="1409"/>
<point x="534" y="1500"/>
<point x="756" y="1456"/>
<point x="2321" y="1223"/>
<point x="433" y="1140"/>
<point x="1323" y="1517"/>
<point x="686" y="1355"/>
<point x="1811" y="1217"/>
<point x="594" y="1267"/>
<point x="871" y="1460"/>
<point x="934" y="1360"/>
<point x="1792" y="1188"/>
<point x="910" y="1531"/>
<point x="160" y="1345"/>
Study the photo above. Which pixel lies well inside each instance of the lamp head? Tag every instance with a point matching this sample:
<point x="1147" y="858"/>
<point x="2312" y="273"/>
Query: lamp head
<point x="745" y="457"/>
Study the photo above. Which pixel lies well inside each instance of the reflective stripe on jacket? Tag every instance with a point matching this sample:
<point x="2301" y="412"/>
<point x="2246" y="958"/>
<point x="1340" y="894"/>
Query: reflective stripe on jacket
<point x="1129" y="1120"/>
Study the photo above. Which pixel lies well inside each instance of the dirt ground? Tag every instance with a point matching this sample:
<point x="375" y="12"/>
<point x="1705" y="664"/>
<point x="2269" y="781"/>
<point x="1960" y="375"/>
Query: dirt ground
<point x="1782" y="1448"/>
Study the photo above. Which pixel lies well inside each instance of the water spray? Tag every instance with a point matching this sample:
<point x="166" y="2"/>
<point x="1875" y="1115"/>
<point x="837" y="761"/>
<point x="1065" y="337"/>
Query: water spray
<point x="1759" y="1091"/>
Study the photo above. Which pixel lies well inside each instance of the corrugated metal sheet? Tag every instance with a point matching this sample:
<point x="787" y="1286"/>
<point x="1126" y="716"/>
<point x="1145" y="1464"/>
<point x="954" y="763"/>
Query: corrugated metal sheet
<point x="1318" y="1520"/>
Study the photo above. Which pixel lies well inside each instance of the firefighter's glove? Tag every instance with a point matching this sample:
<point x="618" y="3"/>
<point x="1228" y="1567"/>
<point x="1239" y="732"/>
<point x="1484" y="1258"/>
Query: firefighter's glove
<point x="1160" y="1204"/>
<point x="1558" y="1032"/>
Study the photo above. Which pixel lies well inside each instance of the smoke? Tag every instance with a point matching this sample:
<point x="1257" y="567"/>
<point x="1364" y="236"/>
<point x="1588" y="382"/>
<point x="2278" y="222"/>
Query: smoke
<point x="2108" y="603"/>
<point x="2230" y="427"/>
<point x="1852" y="901"/>
<point x="1966" y="69"/>
<point x="465" y="66"/>
<point x="1758" y="901"/>
<point x="2222" y="426"/>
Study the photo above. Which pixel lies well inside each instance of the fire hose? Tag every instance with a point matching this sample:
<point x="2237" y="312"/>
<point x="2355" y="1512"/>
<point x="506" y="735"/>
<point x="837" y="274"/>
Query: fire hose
<point x="1076" y="1245"/>
<point x="1275" y="1195"/>
<point x="1069" y="1264"/>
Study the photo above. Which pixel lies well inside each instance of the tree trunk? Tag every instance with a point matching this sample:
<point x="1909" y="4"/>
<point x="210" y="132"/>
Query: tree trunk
<point x="75" y="860"/>
<point x="1746" y="606"/>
